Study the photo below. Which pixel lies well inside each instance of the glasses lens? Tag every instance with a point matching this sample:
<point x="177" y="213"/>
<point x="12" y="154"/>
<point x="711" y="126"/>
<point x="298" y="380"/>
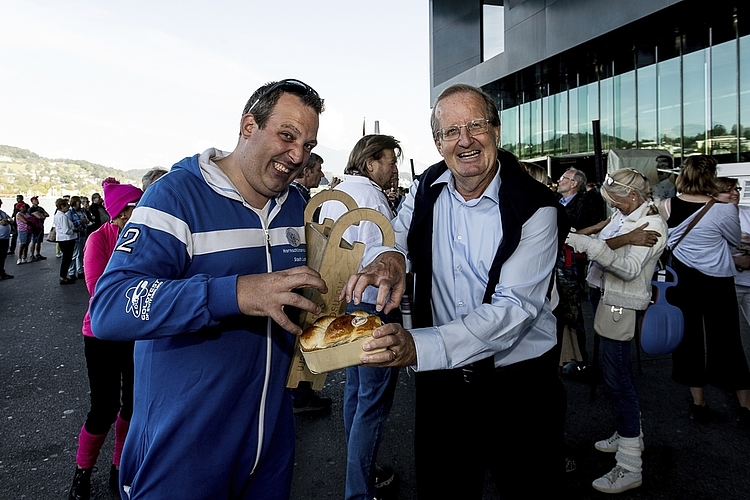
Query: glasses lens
<point x="450" y="133"/>
<point x="474" y="127"/>
<point x="477" y="126"/>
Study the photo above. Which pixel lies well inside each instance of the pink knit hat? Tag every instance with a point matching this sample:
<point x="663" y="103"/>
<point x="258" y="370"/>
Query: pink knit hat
<point x="119" y="196"/>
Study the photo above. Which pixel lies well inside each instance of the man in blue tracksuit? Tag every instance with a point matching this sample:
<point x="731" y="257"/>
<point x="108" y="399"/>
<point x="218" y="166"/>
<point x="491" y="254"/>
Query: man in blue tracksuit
<point x="200" y="278"/>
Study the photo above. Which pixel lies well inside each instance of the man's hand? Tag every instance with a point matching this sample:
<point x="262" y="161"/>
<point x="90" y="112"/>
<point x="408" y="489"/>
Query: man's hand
<point x="742" y="262"/>
<point x="266" y="294"/>
<point x="642" y="238"/>
<point x="388" y="273"/>
<point x="398" y="343"/>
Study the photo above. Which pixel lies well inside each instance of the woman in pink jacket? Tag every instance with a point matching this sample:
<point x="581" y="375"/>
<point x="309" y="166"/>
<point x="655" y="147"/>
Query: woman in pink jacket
<point x="109" y="363"/>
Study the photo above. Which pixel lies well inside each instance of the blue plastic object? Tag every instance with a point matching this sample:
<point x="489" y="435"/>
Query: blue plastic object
<point x="663" y="324"/>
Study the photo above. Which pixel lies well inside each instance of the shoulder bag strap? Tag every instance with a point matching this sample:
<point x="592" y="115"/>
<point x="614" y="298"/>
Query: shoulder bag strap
<point x="695" y="220"/>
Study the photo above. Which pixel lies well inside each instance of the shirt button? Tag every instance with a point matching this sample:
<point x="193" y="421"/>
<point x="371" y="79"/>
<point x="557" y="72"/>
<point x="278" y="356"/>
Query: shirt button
<point x="458" y="268"/>
<point x="460" y="304"/>
<point x="459" y="238"/>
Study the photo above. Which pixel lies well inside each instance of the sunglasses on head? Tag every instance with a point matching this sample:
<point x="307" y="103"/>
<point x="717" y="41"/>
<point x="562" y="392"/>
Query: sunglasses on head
<point x="289" y="85"/>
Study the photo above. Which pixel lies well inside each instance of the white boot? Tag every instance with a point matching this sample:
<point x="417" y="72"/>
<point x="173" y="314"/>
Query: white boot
<point x="627" y="473"/>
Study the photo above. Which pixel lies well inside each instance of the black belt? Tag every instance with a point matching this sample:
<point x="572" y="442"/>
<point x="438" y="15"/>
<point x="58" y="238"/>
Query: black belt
<point x="481" y="370"/>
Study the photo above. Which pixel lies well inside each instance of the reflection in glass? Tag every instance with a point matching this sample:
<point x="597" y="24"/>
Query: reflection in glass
<point x="668" y="120"/>
<point x="745" y="97"/>
<point x="694" y="103"/>
<point x="493" y="30"/>
<point x="723" y="133"/>
<point x="624" y="90"/>
<point x="573" y="120"/>
<point x="509" y="129"/>
<point x="647" y="107"/>
<point x="606" y="115"/>
<point x="535" y="127"/>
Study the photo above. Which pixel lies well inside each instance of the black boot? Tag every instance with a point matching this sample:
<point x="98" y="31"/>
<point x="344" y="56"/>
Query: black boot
<point x="114" y="479"/>
<point x="81" y="488"/>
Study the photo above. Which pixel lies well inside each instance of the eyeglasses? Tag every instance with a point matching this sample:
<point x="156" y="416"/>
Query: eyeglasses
<point x="289" y="85"/>
<point x="474" y="127"/>
<point x="564" y="178"/>
<point x="732" y="190"/>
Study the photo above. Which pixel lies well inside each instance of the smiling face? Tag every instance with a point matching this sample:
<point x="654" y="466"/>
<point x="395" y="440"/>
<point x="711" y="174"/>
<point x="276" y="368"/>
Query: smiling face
<point x="471" y="159"/>
<point x="730" y="195"/>
<point x="267" y="160"/>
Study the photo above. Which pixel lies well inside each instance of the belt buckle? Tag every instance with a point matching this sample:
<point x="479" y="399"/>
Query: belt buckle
<point x="467" y="372"/>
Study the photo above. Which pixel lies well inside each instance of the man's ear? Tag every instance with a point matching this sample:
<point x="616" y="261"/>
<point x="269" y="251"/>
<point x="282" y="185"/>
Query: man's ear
<point x="439" y="146"/>
<point x="368" y="164"/>
<point x="248" y="125"/>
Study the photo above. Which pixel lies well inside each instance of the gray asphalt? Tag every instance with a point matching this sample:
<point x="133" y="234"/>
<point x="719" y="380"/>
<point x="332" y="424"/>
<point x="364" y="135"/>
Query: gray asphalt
<point x="45" y="400"/>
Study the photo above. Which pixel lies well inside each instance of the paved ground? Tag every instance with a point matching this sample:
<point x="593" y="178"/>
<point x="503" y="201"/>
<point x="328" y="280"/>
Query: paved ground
<point x="44" y="395"/>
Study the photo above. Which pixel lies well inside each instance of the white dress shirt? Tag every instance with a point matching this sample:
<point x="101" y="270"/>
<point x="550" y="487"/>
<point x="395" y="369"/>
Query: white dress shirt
<point x="518" y="324"/>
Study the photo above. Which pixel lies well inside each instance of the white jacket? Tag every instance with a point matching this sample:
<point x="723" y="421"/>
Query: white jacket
<point x="629" y="269"/>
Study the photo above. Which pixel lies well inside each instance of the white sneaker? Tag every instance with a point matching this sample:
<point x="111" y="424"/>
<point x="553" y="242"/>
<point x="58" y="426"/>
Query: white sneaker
<point x="19" y="262"/>
<point x="58" y="255"/>
<point x="618" y="480"/>
<point x="610" y="444"/>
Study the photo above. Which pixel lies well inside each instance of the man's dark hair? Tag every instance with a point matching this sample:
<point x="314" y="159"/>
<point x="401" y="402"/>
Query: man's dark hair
<point x="370" y="146"/>
<point x="311" y="162"/>
<point x="665" y="157"/>
<point x="261" y="106"/>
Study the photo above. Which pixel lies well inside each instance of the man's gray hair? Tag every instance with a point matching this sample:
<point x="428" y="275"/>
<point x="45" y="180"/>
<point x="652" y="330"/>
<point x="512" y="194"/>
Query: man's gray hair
<point x="150" y="176"/>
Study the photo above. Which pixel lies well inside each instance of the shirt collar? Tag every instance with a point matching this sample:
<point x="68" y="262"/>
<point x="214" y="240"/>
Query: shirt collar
<point x="492" y="191"/>
<point x="564" y="201"/>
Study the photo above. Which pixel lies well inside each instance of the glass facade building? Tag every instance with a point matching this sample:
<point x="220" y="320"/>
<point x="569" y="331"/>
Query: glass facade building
<point x="676" y="79"/>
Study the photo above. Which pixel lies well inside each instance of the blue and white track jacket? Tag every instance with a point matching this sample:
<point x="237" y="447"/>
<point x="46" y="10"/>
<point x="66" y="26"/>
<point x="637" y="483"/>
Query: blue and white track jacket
<point x="210" y="405"/>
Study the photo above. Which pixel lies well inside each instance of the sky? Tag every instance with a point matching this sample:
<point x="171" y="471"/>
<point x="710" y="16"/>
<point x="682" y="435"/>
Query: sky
<point x="139" y="84"/>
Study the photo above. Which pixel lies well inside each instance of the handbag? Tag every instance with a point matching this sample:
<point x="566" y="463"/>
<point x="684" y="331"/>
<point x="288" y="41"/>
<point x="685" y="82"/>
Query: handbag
<point x="663" y="324"/>
<point x="52" y="236"/>
<point x="613" y="322"/>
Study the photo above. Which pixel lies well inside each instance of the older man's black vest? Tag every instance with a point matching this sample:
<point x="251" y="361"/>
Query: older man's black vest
<point x="520" y="196"/>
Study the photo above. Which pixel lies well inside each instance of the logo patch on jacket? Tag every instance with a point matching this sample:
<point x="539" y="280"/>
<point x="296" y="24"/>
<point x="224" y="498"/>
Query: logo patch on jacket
<point x="292" y="236"/>
<point x="140" y="297"/>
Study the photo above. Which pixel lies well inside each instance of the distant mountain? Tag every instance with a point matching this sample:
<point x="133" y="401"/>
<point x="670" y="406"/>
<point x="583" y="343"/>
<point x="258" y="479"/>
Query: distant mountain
<point x="25" y="172"/>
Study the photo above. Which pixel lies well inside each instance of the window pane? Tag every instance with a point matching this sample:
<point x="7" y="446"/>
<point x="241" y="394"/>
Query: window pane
<point x="668" y="120"/>
<point x="584" y="125"/>
<point x="509" y="129"/>
<point x="573" y="117"/>
<point x="624" y="91"/>
<point x="647" y="107"/>
<point x="606" y="115"/>
<point x="745" y="98"/>
<point x="493" y="30"/>
<point x="535" y="128"/>
<point x="694" y="102"/>
<point x="724" y="99"/>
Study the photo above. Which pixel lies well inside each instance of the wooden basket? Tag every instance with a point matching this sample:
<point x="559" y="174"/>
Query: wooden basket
<point x="336" y="260"/>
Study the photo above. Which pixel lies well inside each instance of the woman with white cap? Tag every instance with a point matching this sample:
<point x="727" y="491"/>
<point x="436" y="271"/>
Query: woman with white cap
<point x="109" y="363"/>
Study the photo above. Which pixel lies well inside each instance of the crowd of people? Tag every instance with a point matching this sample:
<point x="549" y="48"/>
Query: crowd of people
<point x="498" y="265"/>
